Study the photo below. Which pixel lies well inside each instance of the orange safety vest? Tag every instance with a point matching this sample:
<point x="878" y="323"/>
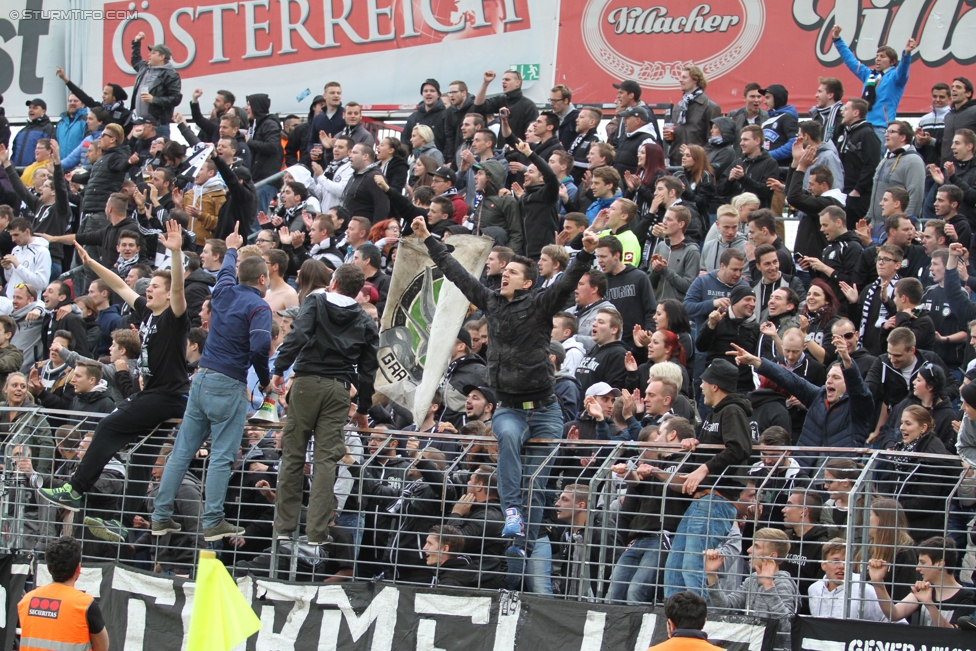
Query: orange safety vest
<point x="54" y="618"/>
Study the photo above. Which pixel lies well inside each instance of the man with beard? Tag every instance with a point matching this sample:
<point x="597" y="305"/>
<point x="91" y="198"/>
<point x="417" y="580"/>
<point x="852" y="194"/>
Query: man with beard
<point x="735" y="324"/>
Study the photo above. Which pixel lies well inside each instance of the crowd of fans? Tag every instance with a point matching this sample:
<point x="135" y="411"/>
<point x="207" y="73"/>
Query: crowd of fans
<point x="656" y="254"/>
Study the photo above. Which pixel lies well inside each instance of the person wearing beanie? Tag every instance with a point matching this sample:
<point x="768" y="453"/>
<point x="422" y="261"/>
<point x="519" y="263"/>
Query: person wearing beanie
<point x="928" y="391"/>
<point x="732" y="325"/>
<point x="464" y="369"/>
<point x="781" y="127"/>
<point x="715" y="483"/>
<point x="430" y="112"/>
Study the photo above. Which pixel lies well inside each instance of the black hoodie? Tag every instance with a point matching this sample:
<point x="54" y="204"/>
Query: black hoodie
<point x="604" y="364"/>
<point x="722" y="155"/>
<point x="727" y="425"/>
<point x="265" y="138"/>
<point x="435" y="117"/>
<point x="955" y="119"/>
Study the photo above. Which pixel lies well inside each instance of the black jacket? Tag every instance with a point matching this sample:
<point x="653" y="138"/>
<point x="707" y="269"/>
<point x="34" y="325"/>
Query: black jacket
<point x="963" y="118"/>
<point x="363" y="197"/>
<point x="520" y="329"/>
<point x="523" y="111"/>
<point x="756" y="172"/>
<point x="888" y="385"/>
<point x="482" y="528"/>
<point x="73" y="323"/>
<point x="435" y="117"/>
<point x="117" y="113"/>
<point x="343" y="344"/>
<point x="540" y="217"/>
<point x="241" y="205"/>
<point x="842" y="255"/>
<point x="452" y="129"/>
<point x="197" y="288"/>
<point x="809" y="240"/>
<point x="166" y="91"/>
<point x="921" y="485"/>
<point x="265" y="144"/>
<point x="727" y="425"/>
<point x="209" y="129"/>
<point x="722" y="156"/>
<point x="942" y="412"/>
<point x="106" y="176"/>
<point x="715" y="343"/>
<point x="604" y="364"/>
<point x="860" y="152"/>
<point x="396" y="173"/>
<point x="52" y="219"/>
<point x="579" y="149"/>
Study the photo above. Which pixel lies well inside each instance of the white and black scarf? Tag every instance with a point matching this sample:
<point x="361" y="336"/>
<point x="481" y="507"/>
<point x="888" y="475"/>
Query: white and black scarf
<point x="685" y="102"/>
<point x="882" y="310"/>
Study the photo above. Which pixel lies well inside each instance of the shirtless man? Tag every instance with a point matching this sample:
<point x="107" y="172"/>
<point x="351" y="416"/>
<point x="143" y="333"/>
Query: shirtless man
<point x="280" y="294"/>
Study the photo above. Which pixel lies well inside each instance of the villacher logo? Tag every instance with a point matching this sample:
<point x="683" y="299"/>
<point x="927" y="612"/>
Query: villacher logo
<point x="48" y="608"/>
<point x="716" y="36"/>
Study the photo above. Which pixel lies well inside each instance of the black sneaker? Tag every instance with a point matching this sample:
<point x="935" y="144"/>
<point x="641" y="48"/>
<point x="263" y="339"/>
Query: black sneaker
<point x="107" y="530"/>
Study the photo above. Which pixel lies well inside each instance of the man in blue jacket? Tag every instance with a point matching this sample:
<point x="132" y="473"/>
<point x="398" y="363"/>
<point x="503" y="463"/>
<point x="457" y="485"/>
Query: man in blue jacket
<point x="883" y="84"/>
<point x="832" y="418"/>
<point x="240" y="336"/>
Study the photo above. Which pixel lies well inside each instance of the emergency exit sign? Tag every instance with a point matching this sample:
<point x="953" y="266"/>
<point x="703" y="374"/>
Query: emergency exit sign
<point x="529" y="71"/>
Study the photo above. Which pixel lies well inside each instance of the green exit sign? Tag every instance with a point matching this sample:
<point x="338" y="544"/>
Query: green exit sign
<point x="529" y="71"/>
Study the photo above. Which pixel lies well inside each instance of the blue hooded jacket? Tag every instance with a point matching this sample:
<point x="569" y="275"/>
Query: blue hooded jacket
<point x="888" y="91"/>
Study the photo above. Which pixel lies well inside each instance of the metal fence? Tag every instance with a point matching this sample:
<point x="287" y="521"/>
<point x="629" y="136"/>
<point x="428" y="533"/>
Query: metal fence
<point x="400" y="486"/>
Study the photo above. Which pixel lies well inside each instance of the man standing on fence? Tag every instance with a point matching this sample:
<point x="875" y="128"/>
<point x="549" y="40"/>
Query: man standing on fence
<point x="333" y="345"/>
<point x="163" y="329"/>
<point x="240" y="336"/>
<point x="519" y="372"/>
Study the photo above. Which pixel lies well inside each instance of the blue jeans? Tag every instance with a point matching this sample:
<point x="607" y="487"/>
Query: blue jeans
<point x="217" y="409"/>
<point x="512" y="428"/>
<point x="354" y="522"/>
<point x="705" y="524"/>
<point x="880" y="132"/>
<point x="163" y="130"/>
<point x="265" y="194"/>
<point x="634" y="577"/>
<point x="538" y="572"/>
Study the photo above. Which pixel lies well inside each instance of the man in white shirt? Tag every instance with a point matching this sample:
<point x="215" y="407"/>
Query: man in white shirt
<point x="827" y="597"/>
<point x="30" y="261"/>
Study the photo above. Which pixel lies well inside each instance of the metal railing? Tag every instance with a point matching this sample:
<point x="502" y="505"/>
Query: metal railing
<point x="389" y="502"/>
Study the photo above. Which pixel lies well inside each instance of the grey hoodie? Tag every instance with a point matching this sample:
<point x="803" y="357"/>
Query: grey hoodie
<point x="966" y="442"/>
<point x="28" y="334"/>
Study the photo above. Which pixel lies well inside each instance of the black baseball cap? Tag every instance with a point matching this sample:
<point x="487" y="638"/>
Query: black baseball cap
<point x="445" y="172"/>
<point x="629" y="86"/>
<point x="485" y="391"/>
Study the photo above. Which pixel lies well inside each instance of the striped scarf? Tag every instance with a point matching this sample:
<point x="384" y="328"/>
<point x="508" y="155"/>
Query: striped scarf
<point x="869" y="297"/>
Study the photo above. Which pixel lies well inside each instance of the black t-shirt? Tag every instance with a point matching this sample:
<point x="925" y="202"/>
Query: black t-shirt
<point x="163" y="359"/>
<point x="959" y="604"/>
<point x="94" y="618"/>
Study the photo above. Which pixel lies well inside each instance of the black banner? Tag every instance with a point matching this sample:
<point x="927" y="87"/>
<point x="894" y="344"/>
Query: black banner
<point x="812" y="634"/>
<point x="150" y="611"/>
<point x="14" y="569"/>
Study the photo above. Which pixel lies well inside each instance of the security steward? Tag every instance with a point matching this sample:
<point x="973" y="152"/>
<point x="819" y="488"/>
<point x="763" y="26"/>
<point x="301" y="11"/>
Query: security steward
<point x="57" y="617"/>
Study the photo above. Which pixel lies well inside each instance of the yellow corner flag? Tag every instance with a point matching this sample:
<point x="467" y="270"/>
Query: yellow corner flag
<point x="221" y="617"/>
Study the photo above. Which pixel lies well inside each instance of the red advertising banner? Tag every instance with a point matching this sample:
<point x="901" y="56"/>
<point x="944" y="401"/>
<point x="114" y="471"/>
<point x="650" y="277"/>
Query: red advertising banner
<point x="220" y="38"/>
<point x="767" y="41"/>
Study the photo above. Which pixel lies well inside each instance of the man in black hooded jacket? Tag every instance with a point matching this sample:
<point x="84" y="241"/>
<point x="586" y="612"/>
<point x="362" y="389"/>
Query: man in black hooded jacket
<point x="264" y="141"/>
